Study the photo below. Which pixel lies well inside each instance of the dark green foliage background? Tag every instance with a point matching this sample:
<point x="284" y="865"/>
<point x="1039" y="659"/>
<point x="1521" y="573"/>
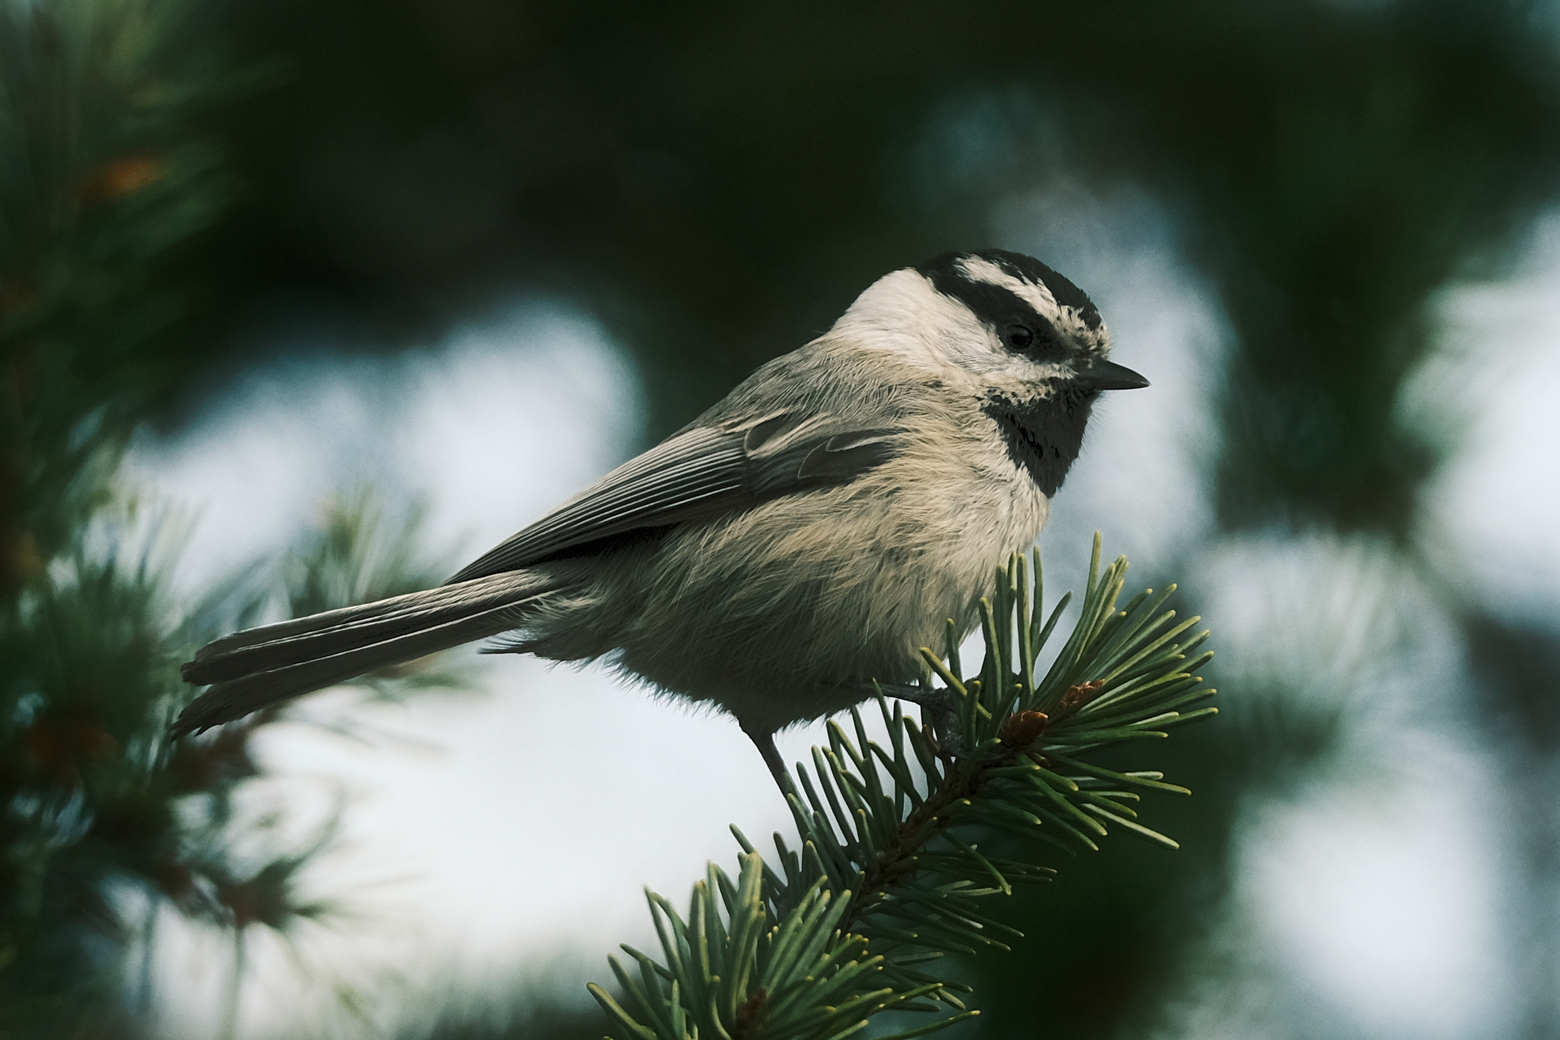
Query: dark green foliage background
<point x="715" y="181"/>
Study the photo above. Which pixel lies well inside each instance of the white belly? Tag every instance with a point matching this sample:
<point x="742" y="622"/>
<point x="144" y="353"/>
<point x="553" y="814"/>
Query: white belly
<point x="768" y="612"/>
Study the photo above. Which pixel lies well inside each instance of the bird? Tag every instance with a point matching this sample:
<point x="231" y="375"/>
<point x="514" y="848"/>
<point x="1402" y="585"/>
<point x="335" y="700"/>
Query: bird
<point x="786" y="554"/>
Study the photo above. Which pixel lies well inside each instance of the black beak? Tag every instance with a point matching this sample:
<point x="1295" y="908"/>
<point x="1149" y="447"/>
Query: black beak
<point x="1099" y="374"/>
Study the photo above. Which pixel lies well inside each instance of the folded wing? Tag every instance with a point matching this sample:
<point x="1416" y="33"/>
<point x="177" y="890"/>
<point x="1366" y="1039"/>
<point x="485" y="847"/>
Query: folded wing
<point x="699" y="472"/>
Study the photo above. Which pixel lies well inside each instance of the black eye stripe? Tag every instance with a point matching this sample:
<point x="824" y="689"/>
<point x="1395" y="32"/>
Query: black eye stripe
<point x="946" y="276"/>
<point x="1063" y="291"/>
<point x="997" y="307"/>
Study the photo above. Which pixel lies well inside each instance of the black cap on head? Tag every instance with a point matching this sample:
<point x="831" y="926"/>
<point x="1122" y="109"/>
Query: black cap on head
<point x="999" y="306"/>
<point x="1062" y="289"/>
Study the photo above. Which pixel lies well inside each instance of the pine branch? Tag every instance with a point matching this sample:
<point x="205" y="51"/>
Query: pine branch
<point x="890" y="874"/>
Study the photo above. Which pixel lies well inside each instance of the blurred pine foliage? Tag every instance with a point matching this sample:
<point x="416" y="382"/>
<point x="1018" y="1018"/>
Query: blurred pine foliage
<point x="108" y="194"/>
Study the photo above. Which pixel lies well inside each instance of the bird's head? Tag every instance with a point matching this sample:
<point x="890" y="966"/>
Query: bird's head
<point x="1002" y="318"/>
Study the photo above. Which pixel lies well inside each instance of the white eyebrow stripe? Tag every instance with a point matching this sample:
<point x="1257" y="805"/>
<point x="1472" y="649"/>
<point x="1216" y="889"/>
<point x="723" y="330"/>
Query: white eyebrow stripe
<point x="979" y="269"/>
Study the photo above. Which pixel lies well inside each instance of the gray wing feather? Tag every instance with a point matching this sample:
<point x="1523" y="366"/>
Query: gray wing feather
<point x="330" y="632"/>
<point x="249" y="670"/>
<point x="699" y="472"/>
<point x="236" y="697"/>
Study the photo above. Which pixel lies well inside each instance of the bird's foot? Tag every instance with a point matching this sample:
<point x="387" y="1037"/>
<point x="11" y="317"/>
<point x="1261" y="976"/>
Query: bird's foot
<point x="946" y="732"/>
<point x="939" y="706"/>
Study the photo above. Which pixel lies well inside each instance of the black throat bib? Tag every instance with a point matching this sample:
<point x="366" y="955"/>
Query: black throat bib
<point x="1043" y="434"/>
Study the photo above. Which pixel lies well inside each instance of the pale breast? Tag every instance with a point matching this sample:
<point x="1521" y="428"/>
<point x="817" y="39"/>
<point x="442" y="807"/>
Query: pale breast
<point x="844" y="584"/>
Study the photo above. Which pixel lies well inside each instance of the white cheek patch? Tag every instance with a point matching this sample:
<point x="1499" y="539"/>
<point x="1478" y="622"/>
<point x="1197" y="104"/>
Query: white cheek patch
<point x="978" y="269"/>
<point x="902" y="314"/>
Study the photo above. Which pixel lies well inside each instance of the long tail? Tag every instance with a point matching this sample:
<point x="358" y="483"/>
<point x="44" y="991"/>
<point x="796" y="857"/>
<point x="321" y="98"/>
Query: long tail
<point x="260" y="666"/>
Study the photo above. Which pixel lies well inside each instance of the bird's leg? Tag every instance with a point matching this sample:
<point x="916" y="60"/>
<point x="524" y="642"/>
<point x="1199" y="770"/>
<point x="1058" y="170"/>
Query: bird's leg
<point x="938" y="703"/>
<point x="765" y="742"/>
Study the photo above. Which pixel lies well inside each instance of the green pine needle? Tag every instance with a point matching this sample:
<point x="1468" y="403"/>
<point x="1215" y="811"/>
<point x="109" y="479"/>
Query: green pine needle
<point x="890" y="867"/>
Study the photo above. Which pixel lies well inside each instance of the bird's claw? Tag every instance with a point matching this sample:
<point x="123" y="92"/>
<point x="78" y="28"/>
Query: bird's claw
<point x="938" y="703"/>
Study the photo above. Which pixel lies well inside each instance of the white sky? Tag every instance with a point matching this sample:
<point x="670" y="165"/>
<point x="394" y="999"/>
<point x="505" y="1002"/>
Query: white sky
<point x="1500" y="498"/>
<point x="494" y="836"/>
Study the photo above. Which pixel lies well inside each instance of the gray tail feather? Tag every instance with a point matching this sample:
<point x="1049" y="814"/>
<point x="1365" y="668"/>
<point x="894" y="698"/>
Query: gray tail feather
<point x="261" y="666"/>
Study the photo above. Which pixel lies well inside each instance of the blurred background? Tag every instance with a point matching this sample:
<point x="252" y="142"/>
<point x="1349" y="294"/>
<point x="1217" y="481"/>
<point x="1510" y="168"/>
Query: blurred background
<point x="302" y="303"/>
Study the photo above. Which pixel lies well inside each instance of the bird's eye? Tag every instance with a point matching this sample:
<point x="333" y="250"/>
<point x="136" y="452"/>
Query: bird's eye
<point x="1019" y="337"/>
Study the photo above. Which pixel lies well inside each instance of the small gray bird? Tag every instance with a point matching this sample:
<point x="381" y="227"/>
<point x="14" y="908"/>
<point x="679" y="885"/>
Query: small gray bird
<point x="802" y="538"/>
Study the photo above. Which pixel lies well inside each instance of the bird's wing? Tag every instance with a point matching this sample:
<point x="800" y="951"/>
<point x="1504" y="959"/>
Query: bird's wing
<point x="698" y="472"/>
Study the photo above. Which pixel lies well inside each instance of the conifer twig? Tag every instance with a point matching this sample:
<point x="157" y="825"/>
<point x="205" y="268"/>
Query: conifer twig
<point x="900" y="843"/>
